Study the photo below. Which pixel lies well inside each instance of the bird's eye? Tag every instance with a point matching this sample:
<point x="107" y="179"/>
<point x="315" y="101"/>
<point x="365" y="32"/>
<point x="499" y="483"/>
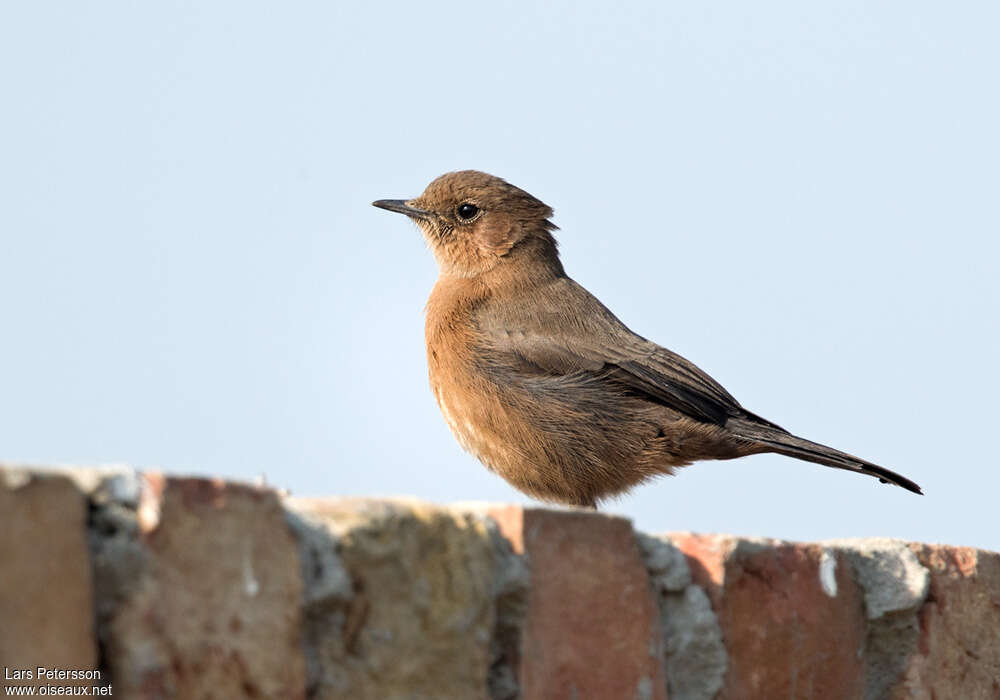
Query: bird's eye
<point x="467" y="211"/>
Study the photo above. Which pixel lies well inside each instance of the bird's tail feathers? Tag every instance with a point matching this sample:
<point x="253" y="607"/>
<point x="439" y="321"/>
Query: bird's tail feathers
<point x="775" y="439"/>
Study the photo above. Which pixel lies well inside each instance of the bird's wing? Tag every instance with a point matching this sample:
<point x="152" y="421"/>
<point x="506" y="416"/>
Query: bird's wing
<point x="564" y="330"/>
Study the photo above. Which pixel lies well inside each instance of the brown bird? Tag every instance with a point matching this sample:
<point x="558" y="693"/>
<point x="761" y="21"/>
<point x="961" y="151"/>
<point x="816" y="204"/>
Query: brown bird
<point x="542" y="383"/>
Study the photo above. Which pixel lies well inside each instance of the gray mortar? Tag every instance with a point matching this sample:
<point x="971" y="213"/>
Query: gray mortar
<point x="327" y="591"/>
<point x="324" y="578"/>
<point x="118" y="557"/>
<point x="694" y="653"/>
<point x="512" y="577"/>
<point x="667" y="565"/>
<point x="512" y="581"/>
<point x="895" y="586"/>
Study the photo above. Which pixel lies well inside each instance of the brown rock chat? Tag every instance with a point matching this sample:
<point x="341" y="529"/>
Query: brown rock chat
<point x="543" y="384"/>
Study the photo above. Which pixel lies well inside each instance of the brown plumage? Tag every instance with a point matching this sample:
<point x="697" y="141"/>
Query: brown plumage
<point x="544" y="384"/>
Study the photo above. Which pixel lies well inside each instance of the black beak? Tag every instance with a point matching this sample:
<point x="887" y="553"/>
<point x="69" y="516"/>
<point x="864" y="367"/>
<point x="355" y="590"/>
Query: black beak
<point x="400" y="206"/>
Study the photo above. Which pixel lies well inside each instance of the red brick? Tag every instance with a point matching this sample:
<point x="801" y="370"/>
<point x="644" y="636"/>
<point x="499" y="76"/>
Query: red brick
<point x="592" y="628"/>
<point x="785" y="635"/>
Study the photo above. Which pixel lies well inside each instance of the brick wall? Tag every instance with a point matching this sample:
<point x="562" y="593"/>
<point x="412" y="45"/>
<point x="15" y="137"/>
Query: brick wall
<point x="195" y="588"/>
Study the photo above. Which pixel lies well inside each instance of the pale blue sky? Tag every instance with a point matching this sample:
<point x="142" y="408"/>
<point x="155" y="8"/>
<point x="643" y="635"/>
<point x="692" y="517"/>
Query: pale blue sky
<point x="802" y="198"/>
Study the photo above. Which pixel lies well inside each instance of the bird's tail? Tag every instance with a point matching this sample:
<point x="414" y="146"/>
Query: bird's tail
<point x="774" y="439"/>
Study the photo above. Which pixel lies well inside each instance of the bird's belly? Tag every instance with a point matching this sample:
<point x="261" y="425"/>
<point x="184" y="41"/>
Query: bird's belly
<point x="570" y="456"/>
<point x="463" y="430"/>
<point x="466" y="425"/>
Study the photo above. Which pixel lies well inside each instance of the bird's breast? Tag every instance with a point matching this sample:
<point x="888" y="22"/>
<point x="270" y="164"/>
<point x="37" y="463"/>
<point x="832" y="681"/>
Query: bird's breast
<point x="465" y="399"/>
<point x="468" y="406"/>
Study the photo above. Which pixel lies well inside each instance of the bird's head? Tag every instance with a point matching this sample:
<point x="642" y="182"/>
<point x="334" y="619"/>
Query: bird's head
<point x="475" y="222"/>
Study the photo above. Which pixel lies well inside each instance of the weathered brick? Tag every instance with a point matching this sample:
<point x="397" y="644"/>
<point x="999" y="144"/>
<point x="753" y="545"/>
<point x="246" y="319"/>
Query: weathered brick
<point x="792" y="617"/>
<point x="46" y="614"/>
<point x="212" y="609"/>
<point x="421" y="617"/>
<point x="959" y="649"/>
